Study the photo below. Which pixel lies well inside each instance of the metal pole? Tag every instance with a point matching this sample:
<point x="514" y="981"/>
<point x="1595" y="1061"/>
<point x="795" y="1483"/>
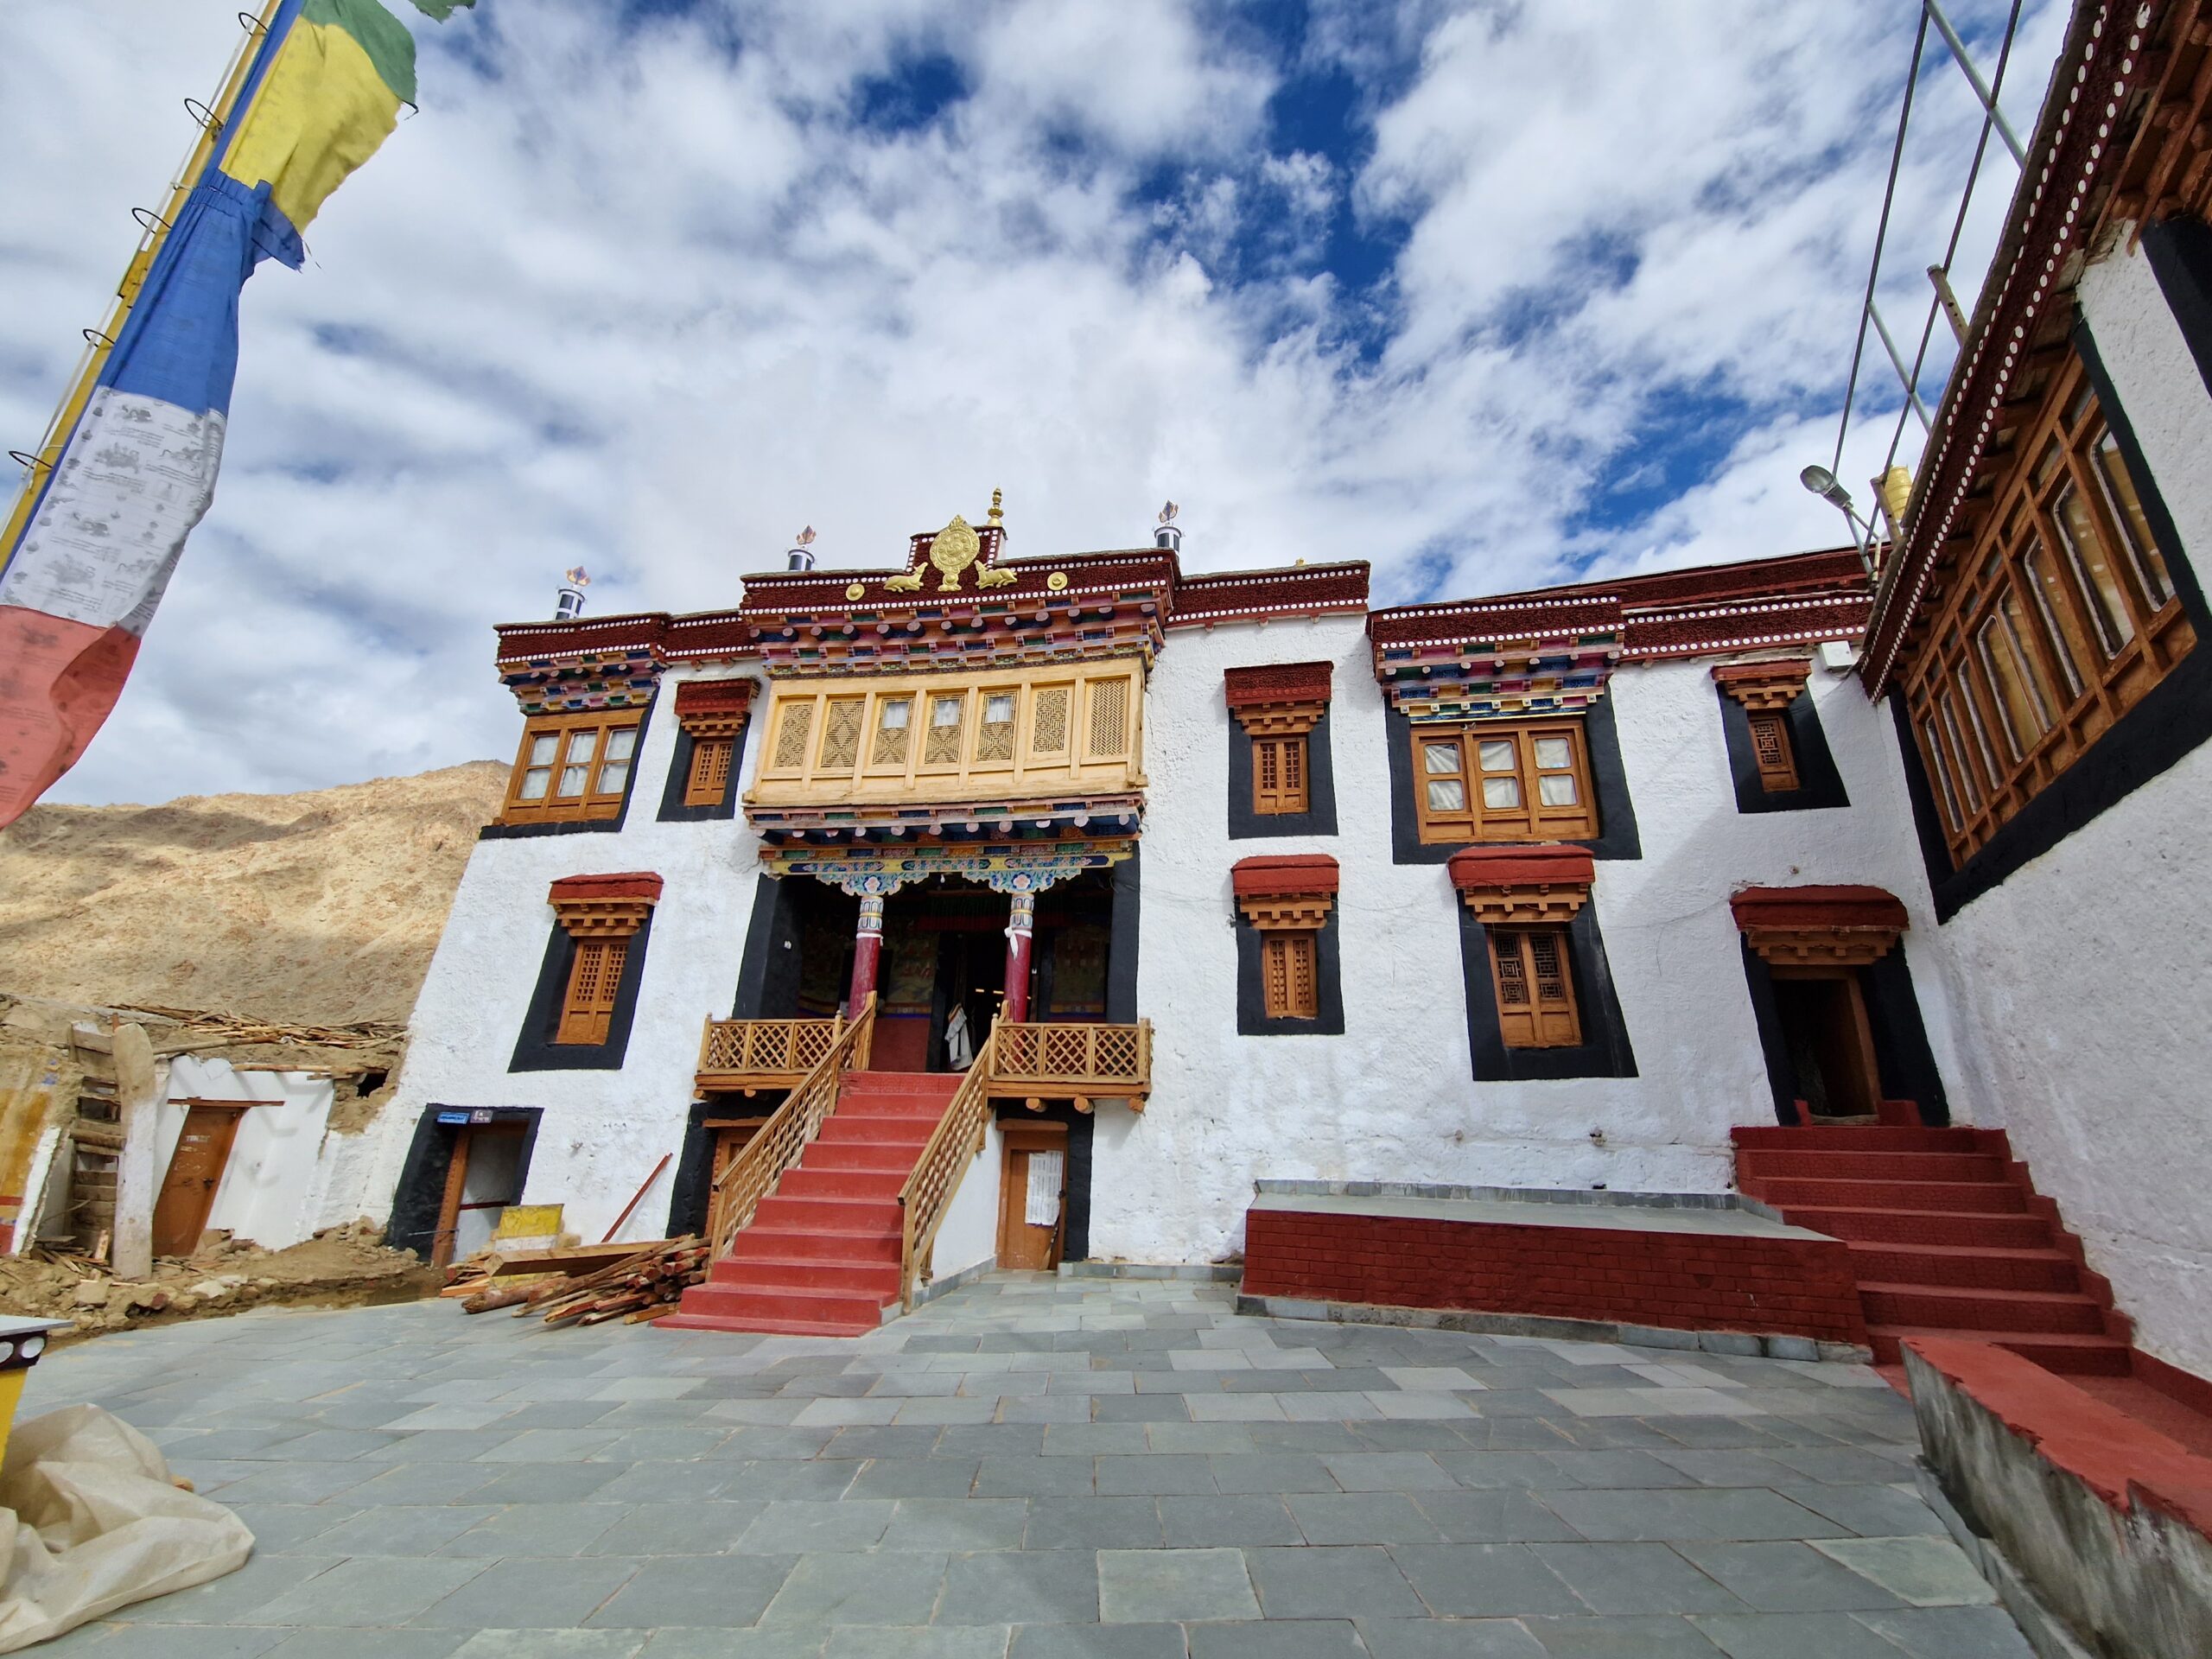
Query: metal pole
<point x="1896" y="362"/>
<point x="1973" y="76"/>
<point x="1949" y="303"/>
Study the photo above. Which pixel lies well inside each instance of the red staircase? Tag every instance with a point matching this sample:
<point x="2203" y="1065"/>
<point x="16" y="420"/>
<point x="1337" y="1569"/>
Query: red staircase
<point x="821" y="1255"/>
<point x="1949" y="1237"/>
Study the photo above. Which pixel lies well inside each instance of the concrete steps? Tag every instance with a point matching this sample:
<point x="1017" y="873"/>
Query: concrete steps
<point x="821" y="1257"/>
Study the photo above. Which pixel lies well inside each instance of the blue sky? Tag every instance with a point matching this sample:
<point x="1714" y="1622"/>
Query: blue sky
<point x="1490" y="294"/>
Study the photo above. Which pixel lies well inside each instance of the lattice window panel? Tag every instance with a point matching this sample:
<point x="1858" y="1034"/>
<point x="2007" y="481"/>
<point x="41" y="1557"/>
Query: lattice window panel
<point x="1535" y="981"/>
<point x="994" y="740"/>
<point x="947" y="716"/>
<point x="1289" y="985"/>
<point x="841" y="734"/>
<point x="791" y="735"/>
<point x="709" y="777"/>
<point x="1048" y="730"/>
<point x="595" y="976"/>
<point x="1278" y="775"/>
<point x="892" y="721"/>
<point x="1110" y="719"/>
<point x="1770" y="748"/>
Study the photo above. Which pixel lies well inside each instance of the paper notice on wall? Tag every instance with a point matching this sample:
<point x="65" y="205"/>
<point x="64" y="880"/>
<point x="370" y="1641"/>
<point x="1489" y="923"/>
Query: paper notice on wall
<point x="1042" y="1208"/>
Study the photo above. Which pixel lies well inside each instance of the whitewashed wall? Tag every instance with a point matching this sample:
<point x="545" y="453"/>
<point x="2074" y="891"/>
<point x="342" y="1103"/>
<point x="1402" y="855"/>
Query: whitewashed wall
<point x="2082" y="982"/>
<point x="1393" y="1098"/>
<point x="270" y="1188"/>
<point x="968" y="1235"/>
<point x="601" y="1132"/>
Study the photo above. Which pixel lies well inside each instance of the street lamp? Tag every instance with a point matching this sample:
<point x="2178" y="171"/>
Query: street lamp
<point x="1826" y="484"/>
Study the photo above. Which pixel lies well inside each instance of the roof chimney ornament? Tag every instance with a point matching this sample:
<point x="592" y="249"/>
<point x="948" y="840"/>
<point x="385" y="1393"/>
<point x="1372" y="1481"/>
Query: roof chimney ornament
<point x="569" y="599"/>
<point x="801" y="556"/>
<point x="1168" y="534"/>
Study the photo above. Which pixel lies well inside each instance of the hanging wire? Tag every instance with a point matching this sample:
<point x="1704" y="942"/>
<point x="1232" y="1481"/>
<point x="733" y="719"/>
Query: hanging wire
<point x="1881" y="233"/>
<point x="1958" y="225"/>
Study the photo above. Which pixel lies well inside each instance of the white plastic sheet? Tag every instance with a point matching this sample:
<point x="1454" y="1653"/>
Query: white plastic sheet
<point x="1041" y="1203"/>
<point x="93" y="1522"/>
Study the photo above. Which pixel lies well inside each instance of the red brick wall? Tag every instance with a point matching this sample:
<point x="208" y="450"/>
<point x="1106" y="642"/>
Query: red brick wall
<point x="1689" y="1281"/>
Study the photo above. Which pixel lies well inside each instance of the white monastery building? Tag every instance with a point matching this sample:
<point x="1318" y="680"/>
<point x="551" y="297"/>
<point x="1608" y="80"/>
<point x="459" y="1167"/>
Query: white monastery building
<point x="1080" y="907"/>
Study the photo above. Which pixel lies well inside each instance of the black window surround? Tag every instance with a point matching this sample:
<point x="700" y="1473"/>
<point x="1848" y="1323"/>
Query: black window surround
<point x="2175" y="716"/>
<point x="585" y="826"/>
<point x="1617" y="837"/>
<point x="1604" y="1050"/>
<point x="673" y="808"/>
<point x="1320" y="818"/>
<point x="1328" y="984"/>
<point x="535" y="1051"/>
<point x="1901" y="1050"/>
<point x="1818" y="785"/>
<point x="419" y="1198"/>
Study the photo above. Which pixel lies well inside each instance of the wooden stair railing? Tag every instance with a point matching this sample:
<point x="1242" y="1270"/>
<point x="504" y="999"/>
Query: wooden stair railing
<point x="1082" y="1061"/>
<point x="753" y="1054"/>
<point x="752" y="1174"/>
<point x="938" y="1172"/>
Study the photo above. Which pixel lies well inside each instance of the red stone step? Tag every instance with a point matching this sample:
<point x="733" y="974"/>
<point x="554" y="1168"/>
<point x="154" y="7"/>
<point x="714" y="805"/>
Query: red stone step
<point x="761" y="1238"/>
<point x="839" y="1312"/>
<point x="1945" y="1198"/>
<point x="1944" y="1307"/>
<point x="1763" y="1165"/>
<point x="806" y="1182"/>
<point x="1869" y="1138"/>
<point x="766" y="1272"/>
<point x="831" y="1214"/>
<point x="2025" y="1232"/>
<point x="859" y="1129"/>
<point x="887" y="1156"/>
<point x="1978" y="1266"/>
<point x="2068" y="1355"/>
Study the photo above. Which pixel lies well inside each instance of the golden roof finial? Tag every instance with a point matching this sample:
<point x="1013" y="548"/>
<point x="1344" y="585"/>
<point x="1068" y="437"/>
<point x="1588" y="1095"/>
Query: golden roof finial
<point x="998" y="511"/>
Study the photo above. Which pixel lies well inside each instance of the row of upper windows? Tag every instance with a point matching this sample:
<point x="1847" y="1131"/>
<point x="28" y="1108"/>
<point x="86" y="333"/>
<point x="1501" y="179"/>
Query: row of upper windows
<point x="1531" y="975"/>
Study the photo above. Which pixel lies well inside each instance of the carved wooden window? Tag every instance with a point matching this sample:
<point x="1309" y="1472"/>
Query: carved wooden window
<point x="1503" y="781"/>
<point x="893" y="718"/>
<point x="2059" y="619"/>
<point x="1279" y="776"/>
<point x="1772" y="749"/>
<point x="1110" y="718"/>
<point x="572" y="767"/>
<point x="1048" y="722"/>
<point x="841" y="733"/>
<point x="594" y="975"/>
<point x="1288" y="976"/>
<point x="1532" y="973"/>
<point x="793" y="732"/>
<point x="707" y="782"/>
<point x="948" y="717"/>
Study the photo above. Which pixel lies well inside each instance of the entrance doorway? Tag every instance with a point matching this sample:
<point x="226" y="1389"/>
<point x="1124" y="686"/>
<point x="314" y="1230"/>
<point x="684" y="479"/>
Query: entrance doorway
<point x="483" y="1178"/>
<point x="195" y="1171"/>
<point x="729" y="1136"/>
<point x="1830" y="1043"/>
<point x="1033" y="1195"/>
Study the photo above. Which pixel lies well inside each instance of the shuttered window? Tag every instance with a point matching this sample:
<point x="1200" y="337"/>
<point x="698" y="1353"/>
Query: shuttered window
<point x="594" y="974"/>
<point x="1503" y="781"/>
<point x="707" y="782"/>
<point x="572" y="767"/>
<point x="1288" y="979"/>
<point x="1772" y="749"/>
<point x="1279" y="776"/>
<point x="1533" y="974"/>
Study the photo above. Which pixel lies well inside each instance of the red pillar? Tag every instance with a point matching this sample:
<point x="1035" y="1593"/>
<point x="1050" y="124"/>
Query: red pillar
<point x="867" y="946"/>
<point x="1019" y="928"/>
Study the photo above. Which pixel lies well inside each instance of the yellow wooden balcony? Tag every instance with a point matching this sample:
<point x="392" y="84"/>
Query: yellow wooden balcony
<point x="746" y="1056"/>
<point x="1035" y="1062"/>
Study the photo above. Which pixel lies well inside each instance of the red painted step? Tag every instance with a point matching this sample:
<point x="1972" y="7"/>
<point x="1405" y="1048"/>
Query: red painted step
<point x="1948" y="1238"/>
<point x="821" y="1255"/>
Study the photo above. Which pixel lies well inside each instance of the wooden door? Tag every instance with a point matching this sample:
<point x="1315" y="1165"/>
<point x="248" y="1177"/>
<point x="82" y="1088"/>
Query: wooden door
<point x="1024" y="1243"/>
<point x="732" y="1136"/>
<point x="1831" y="1041"/>
<point x="195" y="1170"/>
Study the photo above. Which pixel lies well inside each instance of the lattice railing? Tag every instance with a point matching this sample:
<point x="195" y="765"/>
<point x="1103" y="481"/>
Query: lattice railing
<point x="752" y="1174"/>
<point x="928" y="1192"/>
<point x="1080" y="1061"/>
<point x="742" y="1053"/>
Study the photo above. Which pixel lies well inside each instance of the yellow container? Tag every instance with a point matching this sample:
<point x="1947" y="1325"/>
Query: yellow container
<point x="22" y="1341"/>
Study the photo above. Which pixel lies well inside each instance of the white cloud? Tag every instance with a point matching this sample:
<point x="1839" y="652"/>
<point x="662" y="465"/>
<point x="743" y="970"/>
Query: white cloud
<point x="652" y="302"/>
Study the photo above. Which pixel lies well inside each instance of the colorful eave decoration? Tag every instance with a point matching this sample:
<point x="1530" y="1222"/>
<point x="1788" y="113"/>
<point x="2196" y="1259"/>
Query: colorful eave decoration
<point x="584" y="681"/>
<point x="1495" y="661"/>
<point x="1011" y="867"/>
<point x="891" y="824"/>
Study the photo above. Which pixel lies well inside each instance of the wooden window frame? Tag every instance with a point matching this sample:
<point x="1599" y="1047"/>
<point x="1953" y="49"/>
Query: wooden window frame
<point x="1290" y="972"/>
<point x="1549" y="1018"/>
<point x="2028" y="634"/>
<point x="589" y="734"/>
<point x="707" y="782"/>
<point x="1529" y="819"/>
<point x="594" y="985"/>
<point x="1282" y="777"/>
<point x="1774" y="750"/>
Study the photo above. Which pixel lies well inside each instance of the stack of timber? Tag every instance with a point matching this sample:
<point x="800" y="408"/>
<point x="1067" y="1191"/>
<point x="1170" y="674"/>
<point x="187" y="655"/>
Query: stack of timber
<point x="584" y="1286"/>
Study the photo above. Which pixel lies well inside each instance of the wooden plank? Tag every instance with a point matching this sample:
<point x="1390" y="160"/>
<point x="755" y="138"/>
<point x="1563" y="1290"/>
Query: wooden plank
<point x="578" y="1259"/>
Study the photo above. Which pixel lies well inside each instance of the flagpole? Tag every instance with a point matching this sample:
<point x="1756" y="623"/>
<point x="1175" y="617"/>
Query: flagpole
<point x="100" y="342"/>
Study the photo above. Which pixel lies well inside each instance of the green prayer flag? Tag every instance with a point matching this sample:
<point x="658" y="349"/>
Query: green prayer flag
<point x="438" y="10"/>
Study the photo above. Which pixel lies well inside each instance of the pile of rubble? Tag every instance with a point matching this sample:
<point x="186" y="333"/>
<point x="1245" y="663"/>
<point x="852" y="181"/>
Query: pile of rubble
<point x="341" y="1267"/>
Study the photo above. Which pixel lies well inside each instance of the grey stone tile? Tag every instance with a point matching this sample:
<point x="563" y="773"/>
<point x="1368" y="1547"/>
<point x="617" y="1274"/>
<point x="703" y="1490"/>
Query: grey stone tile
<point x="402" y="1529"/>
<point x="1388" y="1472"/>
<point x="1098" y="1642"/>
<point x="1097" y="1439"/>
<point x="719" y="1592"/>
<point x="1362" y="1518"/>
<point x="1922" y="1570"/>
<point x="1719" y="1513"/>
<point x="536" y="1529"/>
<point x="1203" y="1522"/>
<point x="785" y="1642"/>
<point x="1048" y="1586"/>
<point x="914" y="1443"/>
<point x="551" y="1644"/>
<point x="1135" y="1409"/>
<point x="356" y="1644"/>
<point x="295" y="1482"/>
<point x="163" y="1642"/>
<point x="1093" y="1523"/>
<point x="1449" y="1638"/>
<point x="1636" y="1578"/>
<point x="792" y="1481"/>
<point x="800" y="1529"/>
<point x="287" y="1528"/>
<point x="901" y="1588"/>
<point x="942" y="1642"/>
<point x="1502" y="1516"/>
<point x="1647" y="1637"/>
<point x="916" y="1478"/>
<point x="526" y="1483"/>
<point x="372" y="1590"/>
<point x="1033" y="1477"/>
<point x="1158" y="1474"/>
<point x="1871" y="1511"/>
<point x="1148" y="1585"/>
<point x="1357" y="1581"/>
<point x="1295" y="1638"/>
<point x="1792" y="1636"/>
<point x="952" y="1525"/>
<point x="1485" y="1580"/>
<point x="712" y="1527"/>
<point x="535" y="1593"/>
<point x="1784" y="1577"/>
<point x="1271" y="1471"/>
<point x="1951" y="1633"/>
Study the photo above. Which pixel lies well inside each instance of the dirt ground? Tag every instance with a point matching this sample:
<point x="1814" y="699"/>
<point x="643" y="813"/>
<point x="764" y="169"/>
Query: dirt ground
<point x="321" y="907"/>
<point x="343" y="1266"/>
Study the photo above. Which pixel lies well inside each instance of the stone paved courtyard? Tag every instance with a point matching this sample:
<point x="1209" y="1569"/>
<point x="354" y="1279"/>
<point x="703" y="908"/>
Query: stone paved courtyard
<point x="1030" y="1468"/>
